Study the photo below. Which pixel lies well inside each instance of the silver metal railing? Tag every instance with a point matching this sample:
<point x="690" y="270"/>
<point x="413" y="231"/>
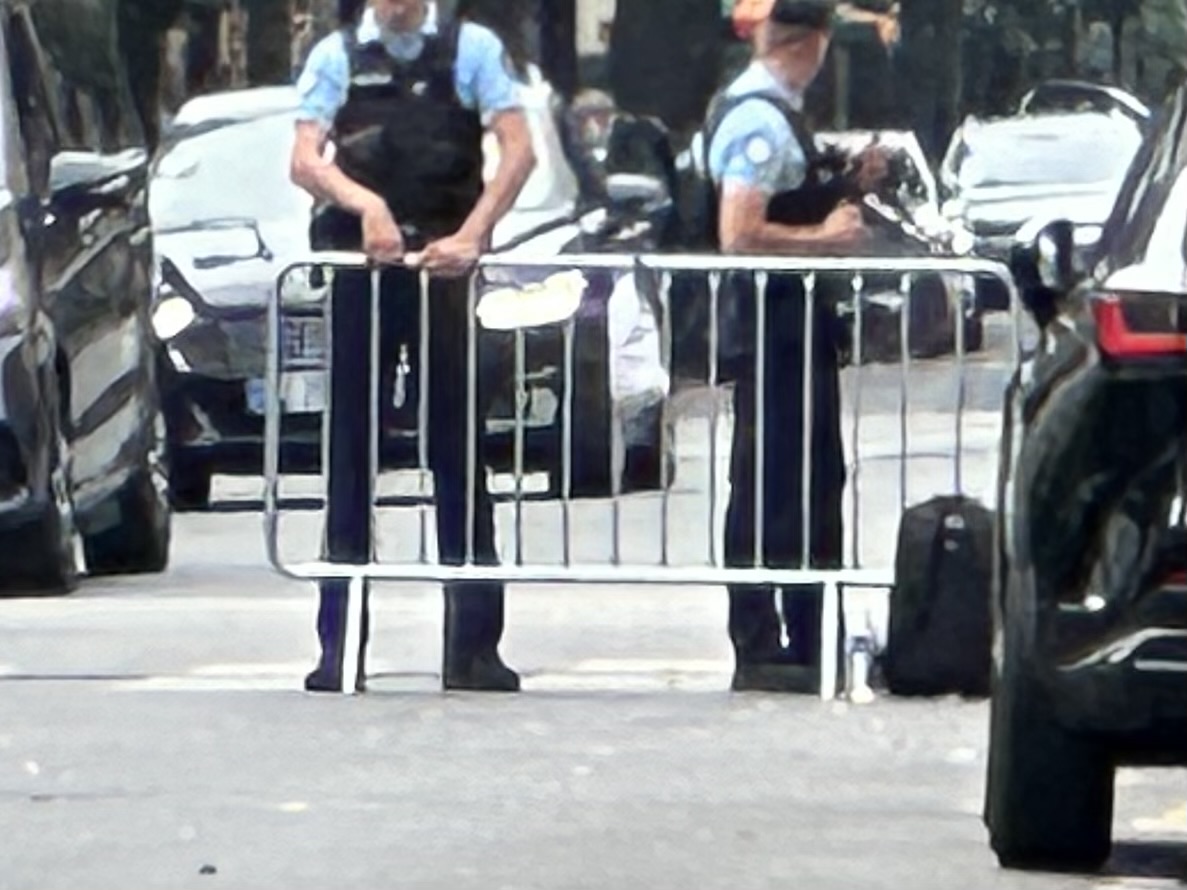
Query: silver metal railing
<point x="716" y="271"/>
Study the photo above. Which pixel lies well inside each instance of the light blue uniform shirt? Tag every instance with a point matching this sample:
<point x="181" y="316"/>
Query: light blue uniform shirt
<point x="481" y="71"/>
<point x="754" y="146"/>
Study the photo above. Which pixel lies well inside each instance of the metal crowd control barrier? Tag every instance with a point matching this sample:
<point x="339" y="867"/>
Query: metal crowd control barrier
<point x="616" y="570"/>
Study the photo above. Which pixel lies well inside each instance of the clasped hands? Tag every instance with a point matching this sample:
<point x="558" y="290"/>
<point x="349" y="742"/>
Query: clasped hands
<point x="450" y="257"/>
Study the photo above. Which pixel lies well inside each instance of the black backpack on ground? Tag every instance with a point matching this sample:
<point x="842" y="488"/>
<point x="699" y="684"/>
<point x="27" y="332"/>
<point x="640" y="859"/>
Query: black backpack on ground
<point x="940" y="635"/>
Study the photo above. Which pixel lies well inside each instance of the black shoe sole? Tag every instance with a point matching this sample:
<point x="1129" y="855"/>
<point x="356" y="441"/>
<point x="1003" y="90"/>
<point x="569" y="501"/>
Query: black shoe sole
<point x="325" y="682"/>
<point x="777" y="678"/>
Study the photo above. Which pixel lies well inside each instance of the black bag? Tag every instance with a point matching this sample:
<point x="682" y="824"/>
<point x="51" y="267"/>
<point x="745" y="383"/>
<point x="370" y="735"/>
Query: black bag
<point x="940" y="635"/>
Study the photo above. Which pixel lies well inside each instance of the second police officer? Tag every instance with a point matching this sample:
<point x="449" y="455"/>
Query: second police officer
<point x="405" y="99"/>
<point x="774" y="197"/>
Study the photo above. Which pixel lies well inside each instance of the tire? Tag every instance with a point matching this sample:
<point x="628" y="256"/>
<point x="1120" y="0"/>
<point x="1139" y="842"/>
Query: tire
<point x="590" y="454"/>
<point x="49" y="563"/>
<point x="1049" y="791"/>
<point x="974" y="333"/>
<point x="139" y="543"/>
<point x="644" y="465"/>
<point x="189" y="484"/>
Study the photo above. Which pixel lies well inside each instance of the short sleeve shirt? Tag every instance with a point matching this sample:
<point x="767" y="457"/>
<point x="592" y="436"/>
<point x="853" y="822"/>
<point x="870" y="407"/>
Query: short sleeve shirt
<point x="754" y="145"/>
<point x="481" y="70"/>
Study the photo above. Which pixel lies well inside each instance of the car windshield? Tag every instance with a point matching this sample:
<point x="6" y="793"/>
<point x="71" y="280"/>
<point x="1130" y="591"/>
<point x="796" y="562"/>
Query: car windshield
<point x="237" y="169"/>
<point x="1076" y="157"/>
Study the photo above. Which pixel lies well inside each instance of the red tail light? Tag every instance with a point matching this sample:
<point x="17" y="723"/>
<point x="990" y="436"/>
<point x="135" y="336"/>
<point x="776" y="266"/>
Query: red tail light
<point x="1149" y="327"/>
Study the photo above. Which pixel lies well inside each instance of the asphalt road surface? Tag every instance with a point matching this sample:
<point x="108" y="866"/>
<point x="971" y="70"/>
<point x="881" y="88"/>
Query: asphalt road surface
<point x="153" y="733"/>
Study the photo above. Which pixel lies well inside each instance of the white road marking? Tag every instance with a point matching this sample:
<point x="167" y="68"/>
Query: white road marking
<point x="1173" y="821"/>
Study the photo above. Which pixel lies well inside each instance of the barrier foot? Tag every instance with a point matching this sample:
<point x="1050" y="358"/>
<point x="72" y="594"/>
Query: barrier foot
<point x="830" y="639"/>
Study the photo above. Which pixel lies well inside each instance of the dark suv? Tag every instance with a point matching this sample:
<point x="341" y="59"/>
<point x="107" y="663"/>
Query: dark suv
<point x="1091" y="600"/>
<point x="81" y="436"/>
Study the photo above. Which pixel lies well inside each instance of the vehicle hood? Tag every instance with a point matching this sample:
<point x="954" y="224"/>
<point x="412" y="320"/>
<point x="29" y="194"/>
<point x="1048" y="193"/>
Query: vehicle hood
<point x="232" y="265"/>
<point x="1007" y="207"/>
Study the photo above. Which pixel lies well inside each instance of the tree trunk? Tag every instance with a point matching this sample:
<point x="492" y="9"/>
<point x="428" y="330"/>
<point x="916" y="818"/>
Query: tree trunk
<point x="931" y="60"/>
<point x="558" y="44"/>
<point x="269" y="42"/>
<point x="665" y="58"/>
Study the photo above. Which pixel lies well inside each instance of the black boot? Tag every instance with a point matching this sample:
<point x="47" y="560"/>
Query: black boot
<point x="481" y="673"/>
<point x="473" y="629"/>
<point x="327" y="678"/>
<point x="331" y="631"/>
<point x="776" y="672"/>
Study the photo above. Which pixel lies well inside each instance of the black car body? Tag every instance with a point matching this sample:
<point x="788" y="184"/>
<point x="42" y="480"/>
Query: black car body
<point x="1090" y="609"/>
<point x="81" y="437"/>
<point x="228" y="222"/>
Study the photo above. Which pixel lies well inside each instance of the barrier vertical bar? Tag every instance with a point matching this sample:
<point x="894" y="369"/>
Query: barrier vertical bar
<point x="961" y="371"/>
<point x="760" y="280"/>
<point x="807" y="419"/>
<point x="473" y="422"/>
<point x="374" y="433"/>
<point x="519" y="393"/>
<point x="272" y="427"/>
<point x="616" y="463"/>
<point x="858" y="288"/>
<point x="904" y="383"/>
<point x="327" y="409"/>
<point x="665" y="308"/>
<point x="567" y="442"/>
<point x="714" y="411"/>
<point x="424" y="387"/>
<point x="830" y="639"/>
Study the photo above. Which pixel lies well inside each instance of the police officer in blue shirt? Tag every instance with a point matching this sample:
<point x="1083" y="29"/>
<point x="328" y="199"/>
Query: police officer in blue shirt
<point x="405" y="99"/>
<point x="775" y="197"/>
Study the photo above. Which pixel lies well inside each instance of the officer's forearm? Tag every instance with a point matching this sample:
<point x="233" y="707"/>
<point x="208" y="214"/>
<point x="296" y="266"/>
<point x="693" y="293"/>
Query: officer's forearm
<point x="499" y="196"/>
<point x="516" y="161"/>
<point x="326" y="181"/>
<point x="775" y="238"/>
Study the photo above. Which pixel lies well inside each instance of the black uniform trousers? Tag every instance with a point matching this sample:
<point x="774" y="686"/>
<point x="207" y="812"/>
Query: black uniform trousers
<point x="753" y="621"/>
<point x="473" y="610"/>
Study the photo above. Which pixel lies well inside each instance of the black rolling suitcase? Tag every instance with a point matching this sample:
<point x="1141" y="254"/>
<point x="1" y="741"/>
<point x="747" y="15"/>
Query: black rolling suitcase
<point x="940" y="630"/>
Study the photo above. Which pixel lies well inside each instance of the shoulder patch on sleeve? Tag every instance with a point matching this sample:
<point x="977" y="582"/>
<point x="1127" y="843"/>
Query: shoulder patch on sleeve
<point x="759" y="149"/>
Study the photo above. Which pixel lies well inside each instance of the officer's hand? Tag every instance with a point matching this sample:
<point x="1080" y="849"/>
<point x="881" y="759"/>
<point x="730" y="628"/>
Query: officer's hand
<point x="450" y="257"/>
<point x="845" y="226"/>
<point x="873" y="167"/>
<point x="382" y="240"/>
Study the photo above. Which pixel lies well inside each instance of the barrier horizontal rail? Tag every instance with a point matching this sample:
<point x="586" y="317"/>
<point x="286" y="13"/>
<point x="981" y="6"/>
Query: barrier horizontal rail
<point x="617" y="571"/>
<point x="682" y="262"/>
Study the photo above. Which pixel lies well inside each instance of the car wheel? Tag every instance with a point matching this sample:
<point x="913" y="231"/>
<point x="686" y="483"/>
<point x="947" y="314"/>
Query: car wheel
<point x="649" y="465"/>
<point x="189" y="484"/>
<point x="139" y="543"/>
<point x="1049" y="791"/>
<point x="49" y="545"/>
<point x="974" y="333"/>
<point x="590" y="448"/>
<point x="930" y="325"/>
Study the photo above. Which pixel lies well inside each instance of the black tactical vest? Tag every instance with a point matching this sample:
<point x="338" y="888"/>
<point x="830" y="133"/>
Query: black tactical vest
<point x="808" y="204"/>
<point x="404" y="134"/>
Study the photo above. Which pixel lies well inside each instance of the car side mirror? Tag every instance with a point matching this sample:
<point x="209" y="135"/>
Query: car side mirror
<point x="1045" y="269"/>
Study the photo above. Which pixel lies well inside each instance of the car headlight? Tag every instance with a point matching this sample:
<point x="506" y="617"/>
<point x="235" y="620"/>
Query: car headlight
<point x="962" y="240"/>
<point x="172" y="316"/>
